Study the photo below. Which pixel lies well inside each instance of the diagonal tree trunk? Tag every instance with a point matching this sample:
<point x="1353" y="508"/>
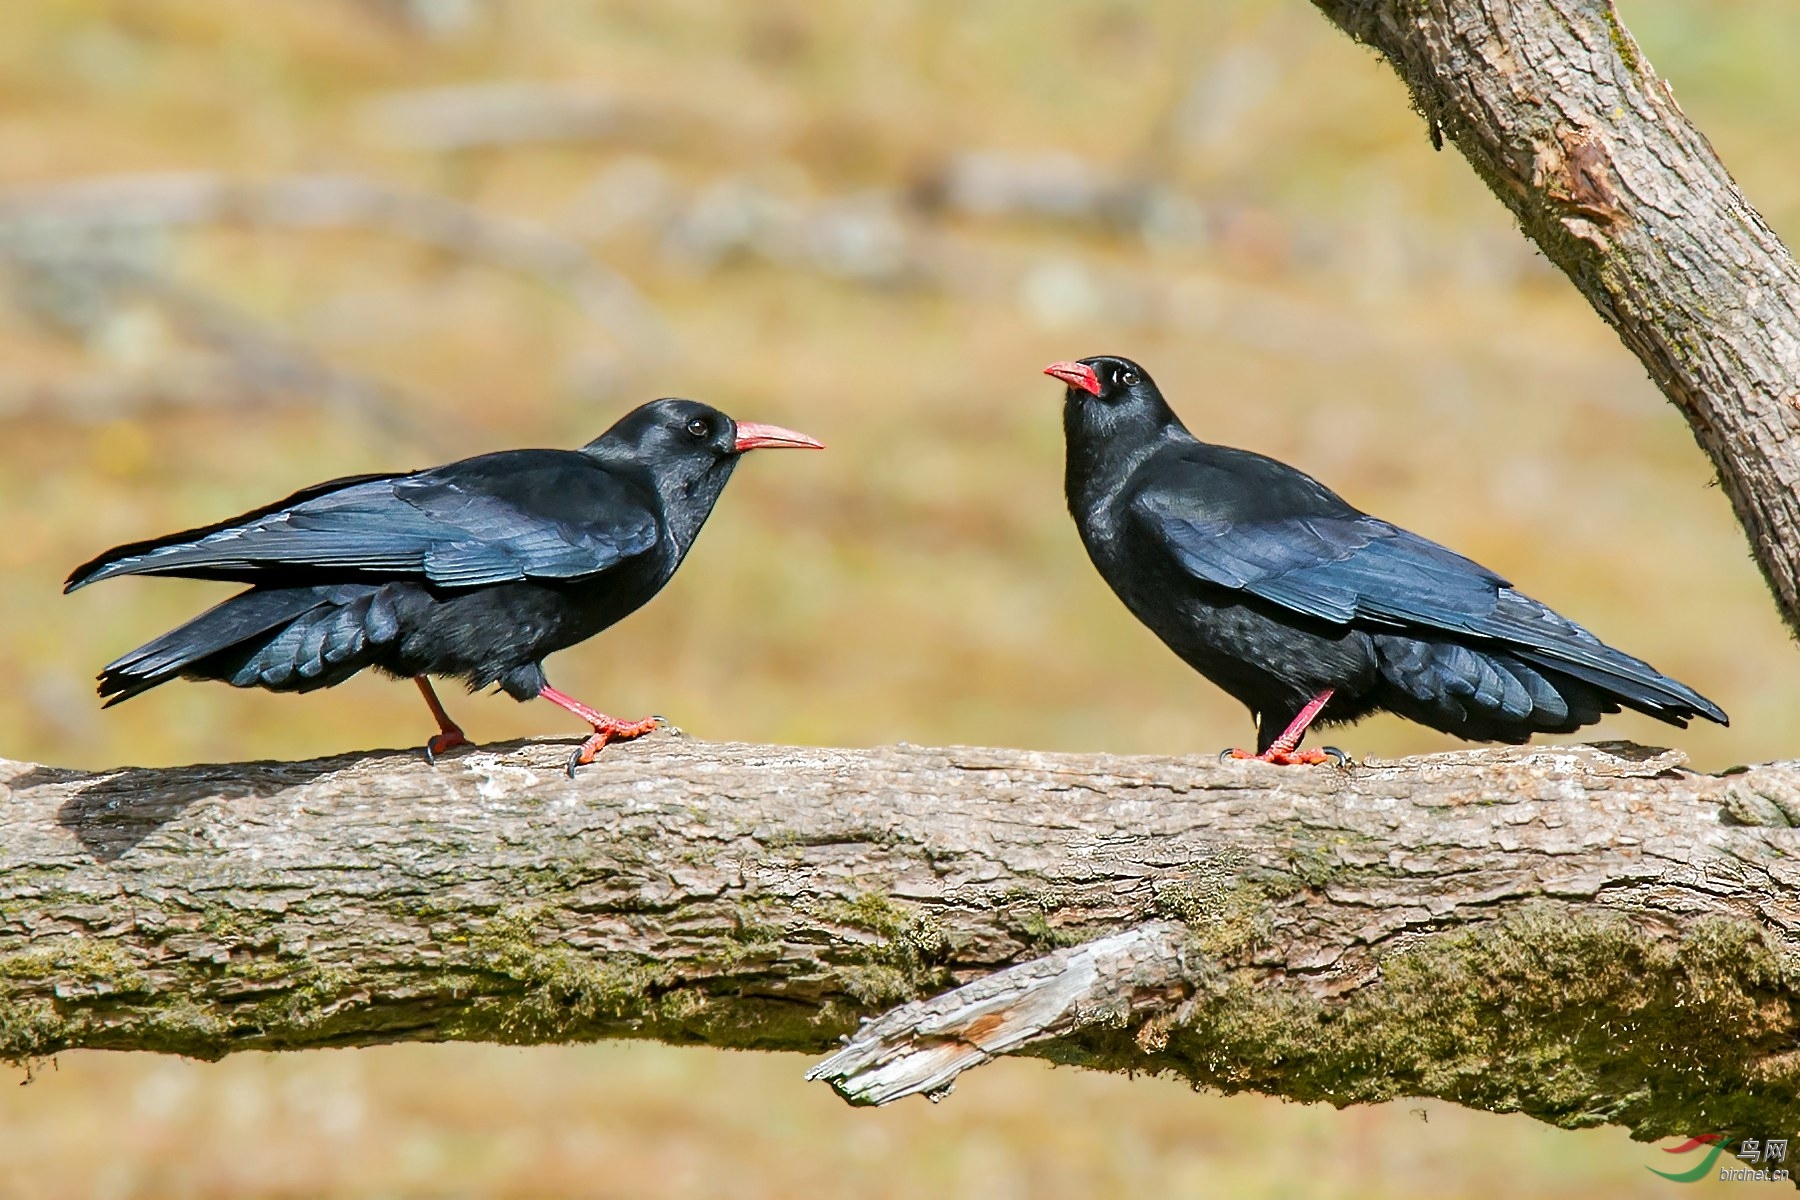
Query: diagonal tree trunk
<point x="1562" y="116"/>
<point x="1582" y="934"/>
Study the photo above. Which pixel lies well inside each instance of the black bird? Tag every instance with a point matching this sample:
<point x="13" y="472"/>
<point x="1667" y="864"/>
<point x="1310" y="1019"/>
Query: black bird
<point x="476" y="570"/>
<point x="1308" y="610"/>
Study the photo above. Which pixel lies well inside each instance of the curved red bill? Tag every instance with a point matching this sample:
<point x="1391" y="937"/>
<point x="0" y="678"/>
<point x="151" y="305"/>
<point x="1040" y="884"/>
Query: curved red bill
<point x="1075" y="375"/>
<point x="751" y="436"/>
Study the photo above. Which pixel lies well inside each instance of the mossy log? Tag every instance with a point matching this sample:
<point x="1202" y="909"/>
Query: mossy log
<point x="1586" y="934"/>
<point x="1561" y="114"/>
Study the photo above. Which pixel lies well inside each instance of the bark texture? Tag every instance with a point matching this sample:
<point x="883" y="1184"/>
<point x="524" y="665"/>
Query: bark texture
<point x="1585" y="934"/>
<point x="1562" y="116"/>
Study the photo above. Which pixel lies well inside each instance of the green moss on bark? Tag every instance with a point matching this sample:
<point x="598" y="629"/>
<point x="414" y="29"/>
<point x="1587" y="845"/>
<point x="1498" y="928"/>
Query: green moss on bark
<point x="1575" y="1021"/>
<point x="558" y="994"/>
<point x="904" y="962"/>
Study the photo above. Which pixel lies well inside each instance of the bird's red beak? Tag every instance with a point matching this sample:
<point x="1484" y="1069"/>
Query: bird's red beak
<point x="751" y="436"/>
<point x="1075" y="375"/>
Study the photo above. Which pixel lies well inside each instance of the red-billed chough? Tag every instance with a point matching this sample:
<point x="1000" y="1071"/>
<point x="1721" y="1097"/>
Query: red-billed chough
<point x="476" y="570"/>
<point x="1309" y="611"/>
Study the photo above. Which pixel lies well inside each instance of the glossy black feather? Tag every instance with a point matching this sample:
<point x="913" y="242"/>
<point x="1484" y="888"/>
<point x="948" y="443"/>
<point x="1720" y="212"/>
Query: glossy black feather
<point x="518" y="514"/>
<point x="90" y="571"/>
<point x="1273" y="586"/>
<point x="477" y="569"/>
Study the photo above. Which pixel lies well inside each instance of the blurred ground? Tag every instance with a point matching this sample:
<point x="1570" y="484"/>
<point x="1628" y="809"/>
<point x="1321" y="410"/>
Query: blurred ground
<point x="873" y="222"/>
<point x="631" y="1120"/>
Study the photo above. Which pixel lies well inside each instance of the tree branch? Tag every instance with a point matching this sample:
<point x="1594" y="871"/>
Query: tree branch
<point x="1562" y="116"/>
<point x="1579" y="933"/>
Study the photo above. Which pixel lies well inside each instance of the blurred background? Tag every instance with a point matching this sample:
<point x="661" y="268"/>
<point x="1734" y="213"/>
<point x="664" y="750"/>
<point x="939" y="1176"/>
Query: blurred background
<point x="246" y="245"/>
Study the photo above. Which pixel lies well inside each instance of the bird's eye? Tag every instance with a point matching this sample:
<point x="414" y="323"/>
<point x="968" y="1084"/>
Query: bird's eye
<point x="1126" y="377"/>
<point x="700" y="427"/>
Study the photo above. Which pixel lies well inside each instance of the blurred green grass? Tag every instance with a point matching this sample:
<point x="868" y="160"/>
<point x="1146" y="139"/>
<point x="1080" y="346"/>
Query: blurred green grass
<point x="1357" y="306"/>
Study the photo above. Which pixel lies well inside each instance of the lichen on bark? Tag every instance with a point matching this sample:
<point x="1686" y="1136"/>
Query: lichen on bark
<point x="1584" y="934"/>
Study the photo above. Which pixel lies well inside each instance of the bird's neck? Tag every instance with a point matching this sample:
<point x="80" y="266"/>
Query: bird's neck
<point x="688" y="499"/>
<point x="1097" y="469"/>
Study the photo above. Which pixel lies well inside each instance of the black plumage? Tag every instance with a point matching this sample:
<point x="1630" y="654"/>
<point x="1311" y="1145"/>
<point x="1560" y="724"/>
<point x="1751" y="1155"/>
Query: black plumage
<point x="476" y="570"/>
<point x="1302" y="607"/>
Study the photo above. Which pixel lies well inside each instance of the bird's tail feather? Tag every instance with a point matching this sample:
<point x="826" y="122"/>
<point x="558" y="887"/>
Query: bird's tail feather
<point x="1547" y="639"/>
<point x="1633" y="683"/>
<point x="1506" y="692"/>
<point x="240" y="619"/>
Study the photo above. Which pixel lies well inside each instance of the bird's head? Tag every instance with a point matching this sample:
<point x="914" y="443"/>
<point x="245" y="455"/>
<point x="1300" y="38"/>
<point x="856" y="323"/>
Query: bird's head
<point x="1109" y="399"/>
<point x="689" y="447"/>
<point x="686" y="430"/>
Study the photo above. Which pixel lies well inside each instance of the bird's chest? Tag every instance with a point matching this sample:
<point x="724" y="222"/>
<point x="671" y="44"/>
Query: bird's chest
<point x="1100" y="522"/>
<point x="1154" y="587"/>
<point x="593" y="605"/>
<point x="1139" y="570"/>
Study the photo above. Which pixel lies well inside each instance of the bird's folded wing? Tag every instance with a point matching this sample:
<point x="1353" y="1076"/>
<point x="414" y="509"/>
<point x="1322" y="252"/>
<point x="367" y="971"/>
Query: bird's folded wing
<point x="1337" y="568"/>
<point x="451" y="532"/>
<point x="1350" y="567"/>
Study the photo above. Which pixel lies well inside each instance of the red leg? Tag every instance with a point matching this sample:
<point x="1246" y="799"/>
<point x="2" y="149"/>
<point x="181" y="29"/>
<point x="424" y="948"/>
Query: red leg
<point x="449" y="734"/>
<point x="606" y="729"/>
<point x="1284" y="750"/>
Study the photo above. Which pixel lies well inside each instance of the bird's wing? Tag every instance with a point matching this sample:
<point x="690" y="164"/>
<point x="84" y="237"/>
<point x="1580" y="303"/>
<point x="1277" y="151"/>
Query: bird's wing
<point x="453" y="526"/>
<point x="1334" y="567"/>
<point x="1347" y="567"/>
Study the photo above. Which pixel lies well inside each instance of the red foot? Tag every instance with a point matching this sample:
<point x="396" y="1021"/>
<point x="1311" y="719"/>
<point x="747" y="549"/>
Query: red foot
<point x="1285" y="750"/>
<point x="1291" y="758"/>
<point x="609" y="729"/>
<point x="449" y="734"/>
<point x="606" y="729"/>
<point x="440" y="743"/>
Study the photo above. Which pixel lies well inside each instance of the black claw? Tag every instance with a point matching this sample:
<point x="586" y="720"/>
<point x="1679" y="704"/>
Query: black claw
<point x="430" y="754"/>
<point x="574" y="761"/>
<point x="1339" y="757"/>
